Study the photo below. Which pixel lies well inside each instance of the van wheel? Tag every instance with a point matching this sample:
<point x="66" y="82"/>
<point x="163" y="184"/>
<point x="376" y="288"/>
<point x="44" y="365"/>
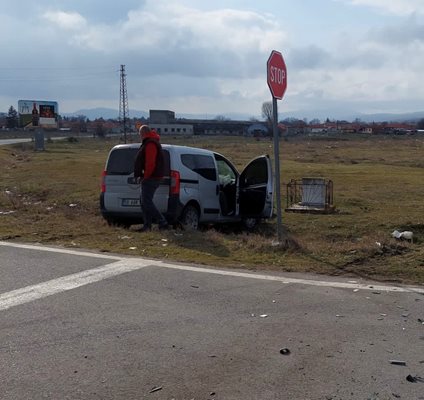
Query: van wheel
<point x="250" y="223"/>
<point x="190" y="218"/>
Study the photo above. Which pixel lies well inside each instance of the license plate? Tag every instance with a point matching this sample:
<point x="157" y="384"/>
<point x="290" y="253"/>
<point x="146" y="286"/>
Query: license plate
<point x="131" y="202"/>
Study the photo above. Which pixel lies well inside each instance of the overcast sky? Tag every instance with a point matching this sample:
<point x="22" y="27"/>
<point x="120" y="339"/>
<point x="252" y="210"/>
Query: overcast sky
<point x="209" y="57"/>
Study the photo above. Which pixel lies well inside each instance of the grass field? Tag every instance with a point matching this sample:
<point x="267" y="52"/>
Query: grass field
<point x="51" y="197"/>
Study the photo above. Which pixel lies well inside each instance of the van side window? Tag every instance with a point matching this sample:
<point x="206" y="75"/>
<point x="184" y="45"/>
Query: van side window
<point x="201" y="164"/>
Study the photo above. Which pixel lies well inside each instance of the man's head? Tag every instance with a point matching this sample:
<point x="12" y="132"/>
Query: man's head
<point x="143" y="131"/>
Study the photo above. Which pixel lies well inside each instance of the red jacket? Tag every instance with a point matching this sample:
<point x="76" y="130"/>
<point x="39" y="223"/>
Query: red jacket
<point x="149" y="161"/>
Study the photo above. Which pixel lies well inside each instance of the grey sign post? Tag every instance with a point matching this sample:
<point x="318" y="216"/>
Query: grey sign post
<point x="39" y="140"/>
<point x="277" y="83"/>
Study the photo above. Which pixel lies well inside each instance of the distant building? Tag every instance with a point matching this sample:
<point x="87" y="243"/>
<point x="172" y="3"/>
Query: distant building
<point x="161" y="117"/>
<point x="163" y="121"/>
<point x="173" y="129"/>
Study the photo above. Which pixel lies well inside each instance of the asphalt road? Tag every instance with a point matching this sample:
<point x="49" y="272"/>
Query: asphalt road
<point x="79" y="325"/>
<point x="4" y="142"/>
<point x="13" y="141"/>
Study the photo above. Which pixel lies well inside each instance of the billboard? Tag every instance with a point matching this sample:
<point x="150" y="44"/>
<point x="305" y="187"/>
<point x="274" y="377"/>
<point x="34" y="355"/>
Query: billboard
<point x="38" y="113"/>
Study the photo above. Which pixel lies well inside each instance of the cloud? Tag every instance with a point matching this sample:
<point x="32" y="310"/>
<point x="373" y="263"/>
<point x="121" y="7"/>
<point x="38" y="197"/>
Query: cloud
<point x="397" y="7"/>
<point x="310" y="57"/>
<point x="165" y="37"/>
<point x="205" y="57"/>
<point x="409" y="33"/>
<point x="66" y="20"/>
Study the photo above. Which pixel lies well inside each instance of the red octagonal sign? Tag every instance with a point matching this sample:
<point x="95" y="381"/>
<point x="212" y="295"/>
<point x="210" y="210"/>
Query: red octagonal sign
<point x="276" y="74"/>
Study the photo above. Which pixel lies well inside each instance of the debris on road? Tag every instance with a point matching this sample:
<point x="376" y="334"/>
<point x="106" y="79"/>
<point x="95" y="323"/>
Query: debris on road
<point x="156" y="389"/>
<point x="397" y="362"/>
<point x="263" y="315"/>
<point x="414" y="379"/>
<point x="285" y="351"/>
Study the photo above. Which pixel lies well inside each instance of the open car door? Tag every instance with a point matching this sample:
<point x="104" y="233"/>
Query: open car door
<point x="256" y="189"/>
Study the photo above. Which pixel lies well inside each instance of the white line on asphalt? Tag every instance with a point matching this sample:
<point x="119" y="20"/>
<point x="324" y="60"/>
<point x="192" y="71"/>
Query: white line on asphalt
<point x="69" y="282"/>
<point x="57" y="250"/>
<point x="282" y="279"/>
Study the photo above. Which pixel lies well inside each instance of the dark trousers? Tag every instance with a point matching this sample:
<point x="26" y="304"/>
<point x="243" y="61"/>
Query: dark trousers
<point x="150" y="212"/>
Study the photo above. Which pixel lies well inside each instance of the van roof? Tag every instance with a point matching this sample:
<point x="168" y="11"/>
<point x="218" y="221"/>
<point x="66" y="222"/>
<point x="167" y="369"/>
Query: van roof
<point x="172" y="147"/>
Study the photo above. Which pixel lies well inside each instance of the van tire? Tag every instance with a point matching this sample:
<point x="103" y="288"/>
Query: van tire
<point x="250" y="223"/>
<point x="190" y="218"/>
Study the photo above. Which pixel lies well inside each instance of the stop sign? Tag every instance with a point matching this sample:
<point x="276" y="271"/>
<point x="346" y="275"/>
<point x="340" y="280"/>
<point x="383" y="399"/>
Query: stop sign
<point x="276" y="74"/>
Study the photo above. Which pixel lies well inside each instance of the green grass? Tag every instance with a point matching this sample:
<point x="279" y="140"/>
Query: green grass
<point x="378" y="187"/>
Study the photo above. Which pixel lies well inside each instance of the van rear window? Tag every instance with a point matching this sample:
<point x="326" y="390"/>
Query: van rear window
<point x="121" y="161"/>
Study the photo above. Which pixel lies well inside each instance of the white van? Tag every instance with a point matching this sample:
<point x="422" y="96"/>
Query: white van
<point x="199" y="187"/>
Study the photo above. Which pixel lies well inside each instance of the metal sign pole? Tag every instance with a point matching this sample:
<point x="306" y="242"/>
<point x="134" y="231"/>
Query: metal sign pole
<point x="277" y="166"/>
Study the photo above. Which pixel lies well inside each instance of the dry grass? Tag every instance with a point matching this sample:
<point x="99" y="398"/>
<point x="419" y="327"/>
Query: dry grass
<point x="52" y="197"/>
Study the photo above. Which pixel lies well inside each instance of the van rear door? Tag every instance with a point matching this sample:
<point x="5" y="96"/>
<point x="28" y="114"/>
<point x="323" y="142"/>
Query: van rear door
<point x="256" y="189"/>
<point x="120" y="192"/>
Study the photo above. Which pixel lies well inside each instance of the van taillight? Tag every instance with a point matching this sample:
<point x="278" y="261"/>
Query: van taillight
<point x="175" y="183"/>
<point x="104" y="173"/>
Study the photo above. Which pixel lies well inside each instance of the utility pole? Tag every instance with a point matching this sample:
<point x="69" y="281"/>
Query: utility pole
<point x="123" y="103"/>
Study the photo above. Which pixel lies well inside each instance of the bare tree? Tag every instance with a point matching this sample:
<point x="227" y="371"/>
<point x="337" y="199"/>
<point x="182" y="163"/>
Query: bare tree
<point x="267" y="114"/>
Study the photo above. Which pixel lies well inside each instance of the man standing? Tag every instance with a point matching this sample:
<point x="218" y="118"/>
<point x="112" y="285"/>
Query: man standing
<point x="148" y="169"/>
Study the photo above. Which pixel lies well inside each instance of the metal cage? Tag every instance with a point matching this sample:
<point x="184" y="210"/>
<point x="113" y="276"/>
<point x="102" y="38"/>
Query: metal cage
<point x="310" y="195"/>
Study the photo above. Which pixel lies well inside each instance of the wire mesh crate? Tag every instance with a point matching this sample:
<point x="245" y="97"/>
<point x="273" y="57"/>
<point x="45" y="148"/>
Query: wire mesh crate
<point x="310" y="195"/>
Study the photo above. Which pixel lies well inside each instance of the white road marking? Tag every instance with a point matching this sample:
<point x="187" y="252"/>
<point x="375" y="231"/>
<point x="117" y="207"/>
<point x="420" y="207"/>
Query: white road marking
<point x="127" y="264"/>
<point x="61" y="251"/>
<point x="282" y="279"/>
<point x="69" y="282"/>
